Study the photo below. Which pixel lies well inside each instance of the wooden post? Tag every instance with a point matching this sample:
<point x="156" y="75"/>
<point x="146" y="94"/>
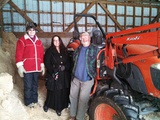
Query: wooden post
<point x="1" y="27"/>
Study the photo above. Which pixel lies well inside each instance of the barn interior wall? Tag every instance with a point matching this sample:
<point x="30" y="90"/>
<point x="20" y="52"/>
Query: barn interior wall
<point x="57" y="16"/>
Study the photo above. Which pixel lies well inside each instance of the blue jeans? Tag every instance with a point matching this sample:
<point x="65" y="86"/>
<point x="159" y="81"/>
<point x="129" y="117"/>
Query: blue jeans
<point x="79" y="97"/>
<point x="31" y="87"/>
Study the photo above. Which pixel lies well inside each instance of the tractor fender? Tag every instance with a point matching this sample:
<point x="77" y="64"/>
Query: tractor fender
<point x="111" y="92"/>
<point x="101" y="91"/>
<point x="105" y="91"/>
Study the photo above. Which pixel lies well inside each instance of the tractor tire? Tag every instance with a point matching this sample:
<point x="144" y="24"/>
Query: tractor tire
<point x="118" y="108"/>
<point x="103" y="108"/>
<point x="130" y="110"/>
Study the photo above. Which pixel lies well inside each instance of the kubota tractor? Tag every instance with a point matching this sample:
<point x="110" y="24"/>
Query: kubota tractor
<point x="127" y="85"/>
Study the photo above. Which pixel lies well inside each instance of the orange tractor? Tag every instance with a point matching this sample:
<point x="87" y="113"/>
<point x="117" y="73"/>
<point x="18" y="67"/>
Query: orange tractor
<point x="127" y="85"/>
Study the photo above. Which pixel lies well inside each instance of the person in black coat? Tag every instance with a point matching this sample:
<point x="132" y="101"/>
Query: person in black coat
<point x="58" y="74"/>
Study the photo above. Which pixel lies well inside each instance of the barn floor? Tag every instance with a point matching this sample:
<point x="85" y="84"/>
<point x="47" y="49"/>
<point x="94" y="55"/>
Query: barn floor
<point x="37" y="113"/>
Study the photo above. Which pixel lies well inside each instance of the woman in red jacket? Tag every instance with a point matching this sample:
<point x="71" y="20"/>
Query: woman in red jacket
<point x="29" y="61"/>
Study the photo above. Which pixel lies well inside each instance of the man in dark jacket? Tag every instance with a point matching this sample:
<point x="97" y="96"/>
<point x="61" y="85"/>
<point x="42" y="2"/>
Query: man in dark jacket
<point x="84" y="71"/>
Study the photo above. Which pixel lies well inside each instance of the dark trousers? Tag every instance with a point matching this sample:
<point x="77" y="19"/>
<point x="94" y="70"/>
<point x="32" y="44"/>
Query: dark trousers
<point x="31" y="88"/>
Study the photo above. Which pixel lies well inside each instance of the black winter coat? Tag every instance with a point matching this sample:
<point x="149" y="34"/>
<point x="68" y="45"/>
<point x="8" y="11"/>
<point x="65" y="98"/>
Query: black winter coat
<point x="53" y="60"/>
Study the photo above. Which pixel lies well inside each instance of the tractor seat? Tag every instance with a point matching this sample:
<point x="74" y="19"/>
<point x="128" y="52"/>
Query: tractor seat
<point x="97" y="38"/>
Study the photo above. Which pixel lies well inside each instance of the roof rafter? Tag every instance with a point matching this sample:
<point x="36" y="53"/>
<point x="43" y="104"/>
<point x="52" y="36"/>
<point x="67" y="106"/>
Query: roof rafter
<point x="3" y="2"/>
<point x="110" y="15"/>
<point x="23" y="14"/>
<point x="78" y="18"/>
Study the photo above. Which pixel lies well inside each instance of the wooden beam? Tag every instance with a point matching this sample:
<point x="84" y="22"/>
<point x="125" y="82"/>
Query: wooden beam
<point x="142" y="14"/>
<point x="46" y="34"/>
<point x="1" y="26"/>
<point x="51" y="15"/>
<point x="78" y="18"/>
<point x="129" y="2"/>
<point x="38" y="12"/>
<point x="23" y="14"/>
<point x="125" y="10"/>
<point x="116" y="17"/>
<point x="3" y="2"/>
<point x="110" y="15"/>
<point x="63" y="15"/>
<point x="150" y="14"/>
<point x="156" y="18"/>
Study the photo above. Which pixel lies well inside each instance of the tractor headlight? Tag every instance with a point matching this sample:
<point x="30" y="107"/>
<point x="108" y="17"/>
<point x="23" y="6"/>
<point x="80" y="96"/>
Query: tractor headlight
<point x="156" y="66"/>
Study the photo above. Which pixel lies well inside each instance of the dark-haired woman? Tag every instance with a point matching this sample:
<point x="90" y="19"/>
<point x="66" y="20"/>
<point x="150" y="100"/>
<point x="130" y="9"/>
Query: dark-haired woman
<point x="57" y="64"/>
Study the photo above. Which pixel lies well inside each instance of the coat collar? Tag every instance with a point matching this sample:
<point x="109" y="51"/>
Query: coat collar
<point x="26" y="36"/>
<point x="90" y="46"/>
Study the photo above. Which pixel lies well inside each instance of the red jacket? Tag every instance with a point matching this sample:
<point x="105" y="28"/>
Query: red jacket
<point x="29" y="54"/>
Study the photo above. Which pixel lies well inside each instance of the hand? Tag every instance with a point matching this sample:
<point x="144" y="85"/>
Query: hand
<point x="42" y="69"/>
<point x="55" y="76"/>
<point x="21" y="71"/>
